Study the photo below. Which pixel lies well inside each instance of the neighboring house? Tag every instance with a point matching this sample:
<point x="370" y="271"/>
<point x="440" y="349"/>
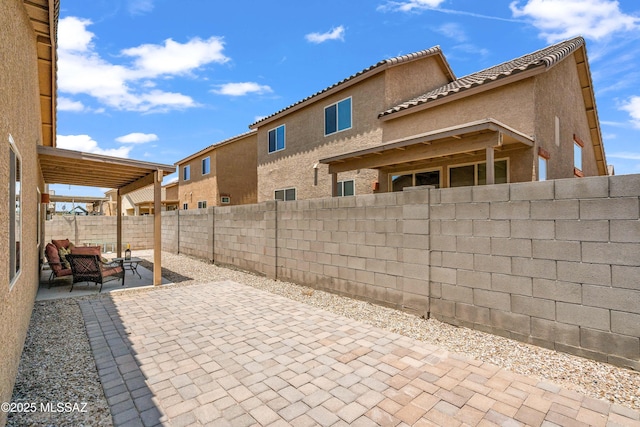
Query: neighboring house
<point x="140" y="202"/>
<point x="27" y="109"/>
<point x="221" y="174"/>
<point x="408" y="121"/>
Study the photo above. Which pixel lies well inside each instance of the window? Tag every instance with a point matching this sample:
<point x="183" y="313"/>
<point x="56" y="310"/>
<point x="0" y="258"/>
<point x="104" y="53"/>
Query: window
<point x="185" y="206"/>
<point x="202" y="204"/>
<point x="577" y="156"/>
<point x="276" y="139"/>
<point x="15" y="210"/>
<point x="543" y="160"/>
<point x="225" y="200"/>
<point x="476" y="174"/>
<point x="285" y="195"/>
<point x="186" y="173"/>
<point x="428" y="177"/>
<point x="345" y="188"/>
<point x="337" y="117"/>
<point x="206" y="165"/>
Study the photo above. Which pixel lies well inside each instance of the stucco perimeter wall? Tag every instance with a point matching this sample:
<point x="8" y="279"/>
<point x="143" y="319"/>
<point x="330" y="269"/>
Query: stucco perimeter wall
<point x="553" y="263"/>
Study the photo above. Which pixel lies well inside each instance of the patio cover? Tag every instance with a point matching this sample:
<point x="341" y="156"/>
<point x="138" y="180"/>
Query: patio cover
<point x="60" y="166"/>
<point x="484" y="135"/>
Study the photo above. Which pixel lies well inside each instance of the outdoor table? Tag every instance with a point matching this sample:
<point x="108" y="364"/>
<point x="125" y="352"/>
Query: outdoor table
<point x="131" y="264"/>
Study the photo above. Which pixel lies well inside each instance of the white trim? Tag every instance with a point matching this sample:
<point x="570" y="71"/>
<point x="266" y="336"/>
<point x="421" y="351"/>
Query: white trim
<point x="13" y="147"/>
<point x="342" y="182"/>
<point x="285" y="193"/>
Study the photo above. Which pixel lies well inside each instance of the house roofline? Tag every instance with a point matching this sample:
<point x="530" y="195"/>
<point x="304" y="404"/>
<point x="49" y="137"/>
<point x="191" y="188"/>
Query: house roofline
<point x="215" y="146"/>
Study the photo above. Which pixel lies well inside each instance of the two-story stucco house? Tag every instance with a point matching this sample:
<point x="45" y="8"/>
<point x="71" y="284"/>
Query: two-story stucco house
<point x="220" y="174"/>
<point x="409" y="121"/>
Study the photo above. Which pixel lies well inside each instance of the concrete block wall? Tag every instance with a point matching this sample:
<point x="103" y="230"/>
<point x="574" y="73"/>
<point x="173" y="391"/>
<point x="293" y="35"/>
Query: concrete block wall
<point x="170" y="227"/>
<point x="195" y="233"/>
<point x="372" y="247"/>
<point x="245" y="236"/>
<point x="553" y="263"/>
<point x="137" y="231"/>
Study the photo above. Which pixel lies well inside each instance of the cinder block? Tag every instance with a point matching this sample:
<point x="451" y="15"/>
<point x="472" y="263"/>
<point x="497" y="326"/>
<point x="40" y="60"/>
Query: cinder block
<point x="555" y="332"/>
<point x="609" y="343"/>
<point x="583" y="316"/>
<point x="416" y="271"/>
<point x="457" y="293"/>
<point x="491" y="228"/>
<point x="616" y="208"/>
<point x="532" y="190"/>
<point x="611" y="253"/>
<point x="443" y="275"/>
<point x="492" y="263"/>
<point x="624" y="185"/>
<point x="612" y="298"/>
<point x="510" y="210"/>
<point x="415" y="226"/>
<point x="492" y="299"/>
<point x="533" y="229"/>
<point x="513" y="322"/>
<point x="443" y="243"/>
<point x="461" y="227"/>
<point x="442" y="308"/>
<point x="415" y="195"/>
<point x="625" y="230"/>
<point x="557" y="249"/>
<point x="415" y="286"/>
<point x="475" y="245"/>
<point x="413" y="256"/>
<point x="586" y="231"/>
<point x="511" y="247"/>
<point x="581" y="272"/>
<point x="535" y="307"/>
<point x="457" y="260"/>
<point x="447" y="211"/>
<point x="474" y="279"/>
<point x="625" y="277"/>
<point x="472" y="314"/>
<point x="490" y="193"/>
<point x="415" y="211"/>
<point x="557" y="291"/>
<point x="535" y="268"/>
<point x="625" y="323"/>
<point x="510" y="284"/>
<point x="472" y="211"/>
<point x="555" y="209"/>
<point x="589" y="187"/>
<point x="456" y="195"/>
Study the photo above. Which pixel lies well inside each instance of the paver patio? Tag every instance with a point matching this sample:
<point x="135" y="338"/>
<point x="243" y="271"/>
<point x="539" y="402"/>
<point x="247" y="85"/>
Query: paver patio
<point x="228" y="354"/>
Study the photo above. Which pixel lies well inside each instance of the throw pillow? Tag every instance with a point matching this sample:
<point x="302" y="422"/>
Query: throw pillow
<point x="62" y="252"/>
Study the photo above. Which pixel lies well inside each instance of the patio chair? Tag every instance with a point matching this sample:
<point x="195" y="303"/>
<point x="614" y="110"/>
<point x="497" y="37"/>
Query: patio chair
<point x="58" y="269"/>
<point x="90" y="268"/>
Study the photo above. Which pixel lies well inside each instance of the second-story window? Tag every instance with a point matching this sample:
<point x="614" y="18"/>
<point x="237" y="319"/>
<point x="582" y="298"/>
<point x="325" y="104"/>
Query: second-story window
<point x="337" y="117"/>
<point x="276" y="139"/>
<point x="206" y="165"/>
<point x="186" y="173"/>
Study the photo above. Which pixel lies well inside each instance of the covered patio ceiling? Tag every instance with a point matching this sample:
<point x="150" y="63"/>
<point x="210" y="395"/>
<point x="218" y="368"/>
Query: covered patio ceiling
<point x="474" y="137"/>
<point x="60" y="166"/>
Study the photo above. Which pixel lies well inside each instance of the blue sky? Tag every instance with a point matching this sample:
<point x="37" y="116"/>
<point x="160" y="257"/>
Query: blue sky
<point x="158" y="80"/>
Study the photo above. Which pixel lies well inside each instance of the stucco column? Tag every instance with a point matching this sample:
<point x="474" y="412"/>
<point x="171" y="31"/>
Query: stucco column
<point x="334" y="184"/>
<point x="157" y="229"/>
<point x="119" y="224"/>
<point x="491" y="174"/>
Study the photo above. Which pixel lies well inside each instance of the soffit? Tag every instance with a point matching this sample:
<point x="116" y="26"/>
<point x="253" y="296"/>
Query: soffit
<point x="92" y="170"/>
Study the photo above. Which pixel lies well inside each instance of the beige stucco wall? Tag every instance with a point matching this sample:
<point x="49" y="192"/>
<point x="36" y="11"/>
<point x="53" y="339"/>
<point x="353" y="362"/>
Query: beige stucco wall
<point x="233" y="172"/>
<point x="20" y="117"/>
<point x="558" y="94"/>
<point x="306" y="143"/>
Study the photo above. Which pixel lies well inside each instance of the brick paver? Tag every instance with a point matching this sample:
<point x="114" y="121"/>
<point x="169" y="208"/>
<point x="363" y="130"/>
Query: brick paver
<point x="228" y="354"/>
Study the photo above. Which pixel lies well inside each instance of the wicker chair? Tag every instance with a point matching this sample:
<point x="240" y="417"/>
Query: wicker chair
<point x="58" y="269"/>
<point x="90" y="268"/>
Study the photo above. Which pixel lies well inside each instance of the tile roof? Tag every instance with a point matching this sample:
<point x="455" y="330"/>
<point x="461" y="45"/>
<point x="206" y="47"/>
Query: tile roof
<point x="546" y="58"/>
<point x="214" y="146"/>
<point x="385" y="62"/>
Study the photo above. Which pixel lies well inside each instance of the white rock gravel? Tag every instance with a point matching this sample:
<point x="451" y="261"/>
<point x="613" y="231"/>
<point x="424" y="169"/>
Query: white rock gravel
<point x="57" y="364"/>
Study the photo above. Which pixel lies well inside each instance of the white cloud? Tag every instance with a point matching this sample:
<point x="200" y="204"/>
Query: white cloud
<point x="562" y="19"/>
<point x="333" y="34"/>
<point x="137" y="138"/>
<point x="81" y="70"/>
<point x="241" y="89"/>
<point x="624" y="155"/>
<point x="175" y="58"/>
<point x="453" y="31"/>
<point x="632" y="106"/>
<point x="411" y="5"/>
<point x="86" y="144"/>
<point x="66" y="104"/>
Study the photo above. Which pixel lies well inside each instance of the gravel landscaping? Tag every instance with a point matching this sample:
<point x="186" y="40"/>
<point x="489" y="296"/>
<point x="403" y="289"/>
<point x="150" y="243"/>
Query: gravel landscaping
<point x="57" y="364"/>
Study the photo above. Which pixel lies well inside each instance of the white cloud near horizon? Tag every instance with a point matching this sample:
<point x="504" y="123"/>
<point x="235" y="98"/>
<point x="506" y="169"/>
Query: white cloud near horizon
<point x="139" y="7"/>
<point x="88" y="145"/>
<point x="66" y="104"/>
<point x="411" y="5"/>
<point x="624" y="155"/>
<point x="137" y="138"/>
<point x="632" y="106"/>
<point x="336" y="33"/>
<point x="561" y="19"/>
<point x="241" y="89"/>
<point x="81" y="70"/>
